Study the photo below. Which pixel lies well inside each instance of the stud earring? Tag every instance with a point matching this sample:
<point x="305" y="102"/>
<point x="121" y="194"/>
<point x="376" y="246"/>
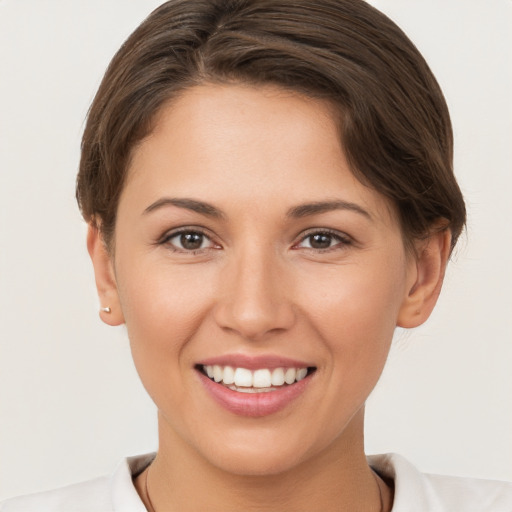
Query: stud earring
<point x="106" y="310"/>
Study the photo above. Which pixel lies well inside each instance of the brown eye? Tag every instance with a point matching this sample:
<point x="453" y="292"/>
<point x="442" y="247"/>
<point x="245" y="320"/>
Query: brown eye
<point x="320" y="241"/>
<point x="189" y="241"/>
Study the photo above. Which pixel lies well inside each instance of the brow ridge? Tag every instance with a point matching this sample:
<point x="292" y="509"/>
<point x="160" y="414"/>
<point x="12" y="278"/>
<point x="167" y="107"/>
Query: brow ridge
<point x="189" y="204"/>
<point x="299" y="211"/>
<point x="307" y="209"/>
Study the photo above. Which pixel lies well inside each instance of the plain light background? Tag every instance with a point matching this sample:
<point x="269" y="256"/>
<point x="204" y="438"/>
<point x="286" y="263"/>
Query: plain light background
<point x="71" y="404"/>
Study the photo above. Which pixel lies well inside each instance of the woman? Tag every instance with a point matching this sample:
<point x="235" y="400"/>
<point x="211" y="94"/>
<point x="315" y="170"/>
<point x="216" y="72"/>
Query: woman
<point x="269" y="192"/>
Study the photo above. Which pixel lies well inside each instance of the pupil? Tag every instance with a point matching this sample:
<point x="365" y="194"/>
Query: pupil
<point x="191" y="240"/>
<point x="320" y="241"/>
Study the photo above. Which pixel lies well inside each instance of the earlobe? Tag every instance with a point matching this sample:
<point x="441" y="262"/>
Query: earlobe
<point x="427" y="280"/>
<point x="110" y="310"/>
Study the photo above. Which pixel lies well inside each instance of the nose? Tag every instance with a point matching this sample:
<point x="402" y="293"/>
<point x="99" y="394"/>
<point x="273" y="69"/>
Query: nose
<point x="254" y="300"/>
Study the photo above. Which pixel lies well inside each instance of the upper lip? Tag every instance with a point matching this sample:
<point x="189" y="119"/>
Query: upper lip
<point x="254" y="362"/>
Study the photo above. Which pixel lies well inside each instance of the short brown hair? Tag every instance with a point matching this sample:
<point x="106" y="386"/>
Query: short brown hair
<point x="395" y="125"/>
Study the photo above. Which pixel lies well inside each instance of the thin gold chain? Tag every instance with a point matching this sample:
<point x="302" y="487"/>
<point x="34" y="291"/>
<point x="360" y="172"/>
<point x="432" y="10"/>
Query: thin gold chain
<point x="377" y="481"/>
<point x="146" y="492"/>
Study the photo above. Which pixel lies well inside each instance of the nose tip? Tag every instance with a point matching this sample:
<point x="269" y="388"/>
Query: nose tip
<point x="254" y="303"/>
<point x="254" y="321"/>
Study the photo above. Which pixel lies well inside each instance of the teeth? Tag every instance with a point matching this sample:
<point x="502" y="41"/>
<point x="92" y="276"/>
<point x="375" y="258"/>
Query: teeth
<point x="243" y="377"/>
<point x="254" y="381"/>
<point x="251" y="390"/>
<point x="229" y="375"/>
<point x="278" y="377"/>
<point x="301" y="373"/>
<point x="289" y="376"/>
<point x="218" y="374"/>
<point x="262" y="379"/>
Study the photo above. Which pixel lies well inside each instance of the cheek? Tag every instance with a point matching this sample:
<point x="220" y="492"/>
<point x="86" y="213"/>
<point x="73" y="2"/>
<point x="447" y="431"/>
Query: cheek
<point x="354" y="308"/>
<point x="354" y="317"/>
<point x="160" y="297"/>
<point x="163" y="308"/>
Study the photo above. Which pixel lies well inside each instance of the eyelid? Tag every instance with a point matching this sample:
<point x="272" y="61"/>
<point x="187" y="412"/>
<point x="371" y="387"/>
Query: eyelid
<point x="168" y="235"/>
<point x="182" y="229"/>
<point x="343" y="238"/>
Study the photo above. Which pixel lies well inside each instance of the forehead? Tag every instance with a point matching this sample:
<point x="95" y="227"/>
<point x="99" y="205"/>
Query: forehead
<point x="250" y="145"/>
<point x="228" y="122"/>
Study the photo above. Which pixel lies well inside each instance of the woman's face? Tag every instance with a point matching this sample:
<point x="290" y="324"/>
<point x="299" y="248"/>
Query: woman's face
<point x="244" y="244"/>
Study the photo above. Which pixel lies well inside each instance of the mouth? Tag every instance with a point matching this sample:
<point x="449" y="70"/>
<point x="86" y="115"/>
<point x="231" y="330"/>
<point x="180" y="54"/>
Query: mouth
<point x="261" y="380"/>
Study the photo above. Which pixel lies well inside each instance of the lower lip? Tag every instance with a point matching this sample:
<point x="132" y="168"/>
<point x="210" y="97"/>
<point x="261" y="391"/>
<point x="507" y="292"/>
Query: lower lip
<point x="254" y="404"/>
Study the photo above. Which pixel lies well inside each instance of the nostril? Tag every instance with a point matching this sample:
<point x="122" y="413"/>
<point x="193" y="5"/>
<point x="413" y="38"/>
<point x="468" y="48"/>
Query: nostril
<point x="252" y="319"/>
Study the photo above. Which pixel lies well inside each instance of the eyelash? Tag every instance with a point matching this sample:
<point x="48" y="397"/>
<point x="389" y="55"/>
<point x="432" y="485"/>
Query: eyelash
<point x="166" y="240"/>
<point x="343" y="240"/>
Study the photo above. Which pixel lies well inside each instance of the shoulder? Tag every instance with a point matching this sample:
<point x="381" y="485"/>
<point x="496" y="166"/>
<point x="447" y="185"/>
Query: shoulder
<point x="473" y="494"/>
<point x="115" y="493"/>
<point x="85" y="496"/>
<point x="435" y="493"/>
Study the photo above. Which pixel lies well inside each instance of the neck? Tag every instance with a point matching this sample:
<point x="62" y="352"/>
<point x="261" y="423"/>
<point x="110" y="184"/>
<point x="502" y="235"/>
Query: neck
<point x="337" y="479"/>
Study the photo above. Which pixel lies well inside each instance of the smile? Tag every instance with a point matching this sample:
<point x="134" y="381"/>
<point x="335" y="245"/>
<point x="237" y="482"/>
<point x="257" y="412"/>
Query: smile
<point x="257" y="381"/>
<point x="255" y="392"/>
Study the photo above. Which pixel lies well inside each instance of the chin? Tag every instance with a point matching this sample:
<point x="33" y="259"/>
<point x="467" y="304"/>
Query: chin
<point x="260" y="453"/>
<point x="260" y="464"/>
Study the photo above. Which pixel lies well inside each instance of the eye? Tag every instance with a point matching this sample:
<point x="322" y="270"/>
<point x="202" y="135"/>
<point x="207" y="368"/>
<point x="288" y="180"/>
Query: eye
<point x="323" y="240"/>
<point x="188" y="241"/>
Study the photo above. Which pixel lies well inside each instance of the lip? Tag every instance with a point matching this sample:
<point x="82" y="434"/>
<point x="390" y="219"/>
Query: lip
<point x="254" y="404"/>
<point x="253" y="362"/>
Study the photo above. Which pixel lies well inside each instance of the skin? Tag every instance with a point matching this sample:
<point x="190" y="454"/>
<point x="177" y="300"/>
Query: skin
<point x="259" y="285"/>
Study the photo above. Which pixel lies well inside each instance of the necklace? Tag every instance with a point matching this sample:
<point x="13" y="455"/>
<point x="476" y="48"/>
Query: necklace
<point x="146" y="492"/>
<point x="377" y="481"/>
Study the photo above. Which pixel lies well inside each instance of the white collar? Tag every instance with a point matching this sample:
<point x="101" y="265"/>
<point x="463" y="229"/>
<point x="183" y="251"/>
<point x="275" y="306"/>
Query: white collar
<point x="413" y="490"/>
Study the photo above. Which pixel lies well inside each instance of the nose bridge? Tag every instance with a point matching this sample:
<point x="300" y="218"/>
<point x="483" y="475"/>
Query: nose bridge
<point x="254" y="301"/>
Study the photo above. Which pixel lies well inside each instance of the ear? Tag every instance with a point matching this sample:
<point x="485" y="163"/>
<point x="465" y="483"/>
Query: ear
<point x="105" y="277"/>
<point x="427" y="274"/>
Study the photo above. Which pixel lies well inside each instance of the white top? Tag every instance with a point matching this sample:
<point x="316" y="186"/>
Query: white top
<point x="414" y="491"/>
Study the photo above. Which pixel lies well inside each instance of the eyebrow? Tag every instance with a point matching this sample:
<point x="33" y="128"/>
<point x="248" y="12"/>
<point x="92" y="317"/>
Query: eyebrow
<point x="188" y="204"/>
<point x="296" y="212"/>
<point x="307" y="209"/>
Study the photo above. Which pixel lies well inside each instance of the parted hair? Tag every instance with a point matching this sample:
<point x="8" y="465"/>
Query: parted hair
<point x="394" y="123"/>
